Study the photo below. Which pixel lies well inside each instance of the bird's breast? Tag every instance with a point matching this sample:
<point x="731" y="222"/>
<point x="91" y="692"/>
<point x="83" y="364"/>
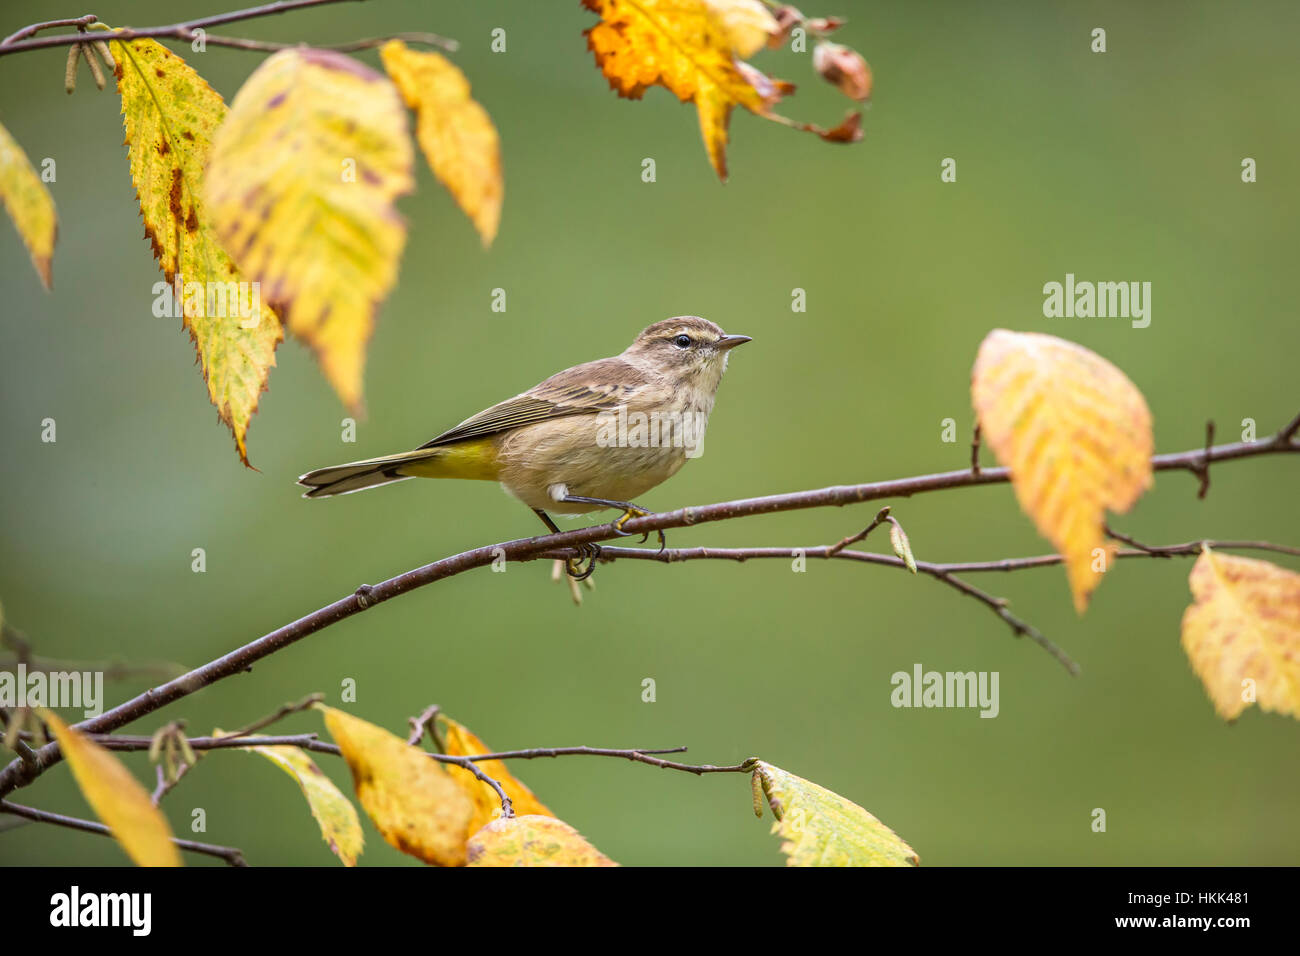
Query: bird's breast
<point x="616" y="456"/>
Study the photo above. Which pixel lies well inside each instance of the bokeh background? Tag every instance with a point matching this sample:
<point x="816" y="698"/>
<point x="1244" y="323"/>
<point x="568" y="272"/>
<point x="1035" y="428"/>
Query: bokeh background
<point x="1122" y="166"/>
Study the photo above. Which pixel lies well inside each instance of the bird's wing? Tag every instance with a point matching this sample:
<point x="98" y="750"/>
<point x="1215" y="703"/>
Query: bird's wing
<point x="572" y="392"/>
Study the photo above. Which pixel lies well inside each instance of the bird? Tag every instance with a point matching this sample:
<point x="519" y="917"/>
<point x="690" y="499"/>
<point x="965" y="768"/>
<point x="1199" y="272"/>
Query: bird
<point x="592" y="437"/>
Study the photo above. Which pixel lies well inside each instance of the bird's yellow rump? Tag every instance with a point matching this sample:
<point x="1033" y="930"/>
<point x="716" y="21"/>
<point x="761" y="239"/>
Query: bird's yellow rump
<point x="593" y="436"/>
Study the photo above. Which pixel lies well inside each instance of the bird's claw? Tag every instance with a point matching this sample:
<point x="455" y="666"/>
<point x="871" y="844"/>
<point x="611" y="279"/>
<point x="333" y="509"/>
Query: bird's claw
<point x="590" y="553"/>
<point x="628" y="515"/>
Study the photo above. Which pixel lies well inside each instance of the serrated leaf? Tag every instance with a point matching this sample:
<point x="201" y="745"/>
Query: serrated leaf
<point x="820" y="828"/>
<point x="301" y="186"/>
<point x="410" y="798"/>
<point x="688" y="47"/>
<point x="340" y="827"/>
<point x="1242" y="633"/>
<point x="533" y="841"/>
<point x="454" y="132"/>
<point x="117" y="798"/>
<point x="29" y="205"/>
<point x="1076" y="435"/>
<point x="170" y="115"/>
<point x="461" y="742"/>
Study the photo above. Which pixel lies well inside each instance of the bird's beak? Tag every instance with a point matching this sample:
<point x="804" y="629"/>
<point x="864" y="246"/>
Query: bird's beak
<point x="729" y="342"/>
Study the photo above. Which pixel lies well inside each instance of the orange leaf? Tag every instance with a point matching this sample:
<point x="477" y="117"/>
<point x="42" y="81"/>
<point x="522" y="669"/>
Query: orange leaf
<point x="412" y="800"/>
<point x="116" y="797"/>
<point x="454" y="132"/>
<point x="690" y="48"/>
<point x="1076" y="435"/>
<point x="460" y="742"/>
<point x="1242" y="633"/>
<point x="533" y="841"/>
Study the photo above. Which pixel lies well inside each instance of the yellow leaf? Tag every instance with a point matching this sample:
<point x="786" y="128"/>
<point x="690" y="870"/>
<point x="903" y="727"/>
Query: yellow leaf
<point x="821" y="828"/>
<point x="1076" y="435"/>
<point x="301" y="186"/>
<point x="412" y="800"/>
<point x="460" y="742"/>
<point x="1242" y="633"/>
<point x="29" y="205"/>
<point x="533" y="841"/>
<point x="170" y="115"/>
<point x="455" y="132"/>
<point x="687" y="47"/>
<point x="747" y="24"/>
<point x="117" y="798"/>
<point x="339" y="825"/>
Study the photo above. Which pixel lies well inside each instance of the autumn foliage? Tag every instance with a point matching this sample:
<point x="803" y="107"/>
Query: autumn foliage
<point x="295" y="188"/>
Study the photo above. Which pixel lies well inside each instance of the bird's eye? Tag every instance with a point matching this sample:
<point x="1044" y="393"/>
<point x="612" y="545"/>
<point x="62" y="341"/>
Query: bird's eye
<point x="682" y="341"/>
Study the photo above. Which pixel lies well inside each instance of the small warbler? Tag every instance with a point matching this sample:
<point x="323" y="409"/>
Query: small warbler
<point x="593" y="436"/>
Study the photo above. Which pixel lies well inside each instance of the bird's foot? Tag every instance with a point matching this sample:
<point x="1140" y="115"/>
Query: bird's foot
<point x="635" y="511"/>
<point x="588" y="553"/>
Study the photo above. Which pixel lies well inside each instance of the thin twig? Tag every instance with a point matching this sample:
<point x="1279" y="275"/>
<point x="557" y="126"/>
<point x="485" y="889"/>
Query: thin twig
<point x="945" y="572"/>
<point x="36" y="28"/>
<point x="186" y="31"/>
<point x="131" y="742"/>
<point x="638" y="756"/>
<point x="165" y="786"/>
<point x="425" y="722"/>
<point x="230" y="854"/>
<point x="284" y="711"/>
<point x="1288" y="432"/>
<point x="881" y="516"/>
<point x="124" y="742"/>
<point x="1204" y="472"/>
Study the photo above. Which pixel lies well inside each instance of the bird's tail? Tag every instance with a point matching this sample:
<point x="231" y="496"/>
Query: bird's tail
<point x="360" y="475"/>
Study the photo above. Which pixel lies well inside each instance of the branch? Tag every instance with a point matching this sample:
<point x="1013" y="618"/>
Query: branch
<point x="129" y="743"/>
<point x="16" y="773"/>
<point x="18" y="41"/>
<point x="228" y="853"/>
<point x="942" y="572"/>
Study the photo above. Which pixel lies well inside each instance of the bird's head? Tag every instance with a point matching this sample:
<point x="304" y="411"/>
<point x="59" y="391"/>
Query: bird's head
<point x="687" y="349"/>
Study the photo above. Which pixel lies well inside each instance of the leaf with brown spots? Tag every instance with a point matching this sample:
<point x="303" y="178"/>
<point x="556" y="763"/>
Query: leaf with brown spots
<point x="301" y="185"/>
<point x="409" y="796"/>
<point x="29" y="205"/>
<point x="818" y="827"/>
<point x="1242" y="633"/>
<point x="533" y="841"/>
<point x="170" y="115"/>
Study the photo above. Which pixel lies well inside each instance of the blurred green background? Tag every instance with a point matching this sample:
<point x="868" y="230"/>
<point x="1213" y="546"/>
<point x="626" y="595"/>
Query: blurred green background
<point x="1122" y="166"/>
